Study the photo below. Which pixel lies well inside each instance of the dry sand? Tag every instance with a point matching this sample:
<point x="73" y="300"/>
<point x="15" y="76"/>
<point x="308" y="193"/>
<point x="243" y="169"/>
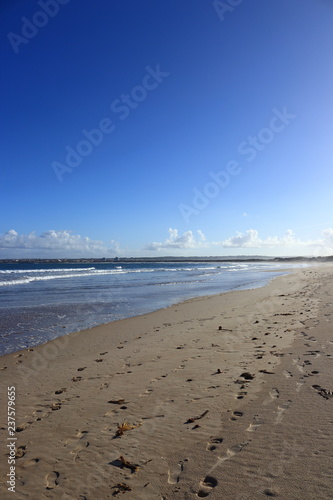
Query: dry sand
<point x="225" y="397"/>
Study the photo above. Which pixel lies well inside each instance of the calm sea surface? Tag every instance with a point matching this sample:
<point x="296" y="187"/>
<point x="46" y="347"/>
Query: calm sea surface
<point x="39" y="302"/>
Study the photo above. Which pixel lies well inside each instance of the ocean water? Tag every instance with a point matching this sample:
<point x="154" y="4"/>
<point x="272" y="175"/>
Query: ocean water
<point x="39" y="302"/>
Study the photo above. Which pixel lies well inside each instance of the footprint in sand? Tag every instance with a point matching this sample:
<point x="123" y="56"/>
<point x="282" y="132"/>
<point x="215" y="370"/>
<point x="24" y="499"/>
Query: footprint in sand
<point x="78" y="436"/>
<point x="76" y="451"/>
<point x="146" y="393"/>
<point x="281" y="411"/>
<point x="211" y="446"/>
<point x="78" y="444"/>
<point x="207" y="484"/>
<point x="56" y="406"/>
<point x="21" y="428"/>
<point x="180" y="367"/>
<point x="174" y="474"/>
<point x="257" y="422"/>
<point x="298" y="365"/>
<point x="316" y="354"/>
<point x="105" y="385"/>
<point x="236" y="415"/>
<point x="158" y="378"/>
<point x="81" y="434"/>
<point x="270" y="493"/>
<point x="241" y="395"/>
<point x="274" y="393"/>
<point x="52" y="480"/>
<point x="325" y="393"/>
<point x="20" y="451"/>
<point x="231" y="452"/>
<point x="30" y="462"/>
<point x="299" y="384"/>
<point x="60" y="391"/>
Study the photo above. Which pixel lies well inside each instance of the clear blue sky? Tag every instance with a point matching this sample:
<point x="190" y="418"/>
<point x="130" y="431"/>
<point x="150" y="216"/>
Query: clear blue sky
<point x="215" y="128"/>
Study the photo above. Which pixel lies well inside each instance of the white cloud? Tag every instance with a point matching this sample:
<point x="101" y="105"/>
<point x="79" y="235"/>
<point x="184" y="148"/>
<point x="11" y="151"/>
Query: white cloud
<point x="287" y="244"/>
<point x="251" y="239"/>
<point x="177" y="241"/>
<point x="115" y="247"/>
<point x="50" y="244"/>
<point x="327" y="236"/>
<point x="323" y="246"/>
<point x="53" y="241"/>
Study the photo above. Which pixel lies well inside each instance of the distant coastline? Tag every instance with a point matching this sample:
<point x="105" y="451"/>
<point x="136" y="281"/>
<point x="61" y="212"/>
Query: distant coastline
<point x="166" y="259"/>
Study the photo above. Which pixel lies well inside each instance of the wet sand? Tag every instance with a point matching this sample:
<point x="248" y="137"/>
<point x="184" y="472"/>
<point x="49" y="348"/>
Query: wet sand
<point x="225" y="397"/>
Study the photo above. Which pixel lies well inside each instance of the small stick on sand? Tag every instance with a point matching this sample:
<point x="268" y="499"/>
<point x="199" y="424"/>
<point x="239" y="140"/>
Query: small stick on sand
<point x="193" y="419"/>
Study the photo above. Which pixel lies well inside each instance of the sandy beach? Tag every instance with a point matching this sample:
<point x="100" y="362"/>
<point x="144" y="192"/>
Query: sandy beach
<point x="224" y="397"/>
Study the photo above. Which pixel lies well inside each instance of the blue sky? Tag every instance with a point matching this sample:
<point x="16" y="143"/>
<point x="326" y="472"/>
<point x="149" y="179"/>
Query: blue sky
<point x="175" y="127"/>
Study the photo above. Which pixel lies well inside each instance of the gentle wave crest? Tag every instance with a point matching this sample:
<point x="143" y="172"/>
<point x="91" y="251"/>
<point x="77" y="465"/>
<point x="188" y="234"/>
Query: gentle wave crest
<point x="14" y="277"/>
<point x="18" y="271"/>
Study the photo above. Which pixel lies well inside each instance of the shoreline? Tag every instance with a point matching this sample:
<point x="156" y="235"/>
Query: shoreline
<point x="197" y="382"/>
<point x="277" y="272"/>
